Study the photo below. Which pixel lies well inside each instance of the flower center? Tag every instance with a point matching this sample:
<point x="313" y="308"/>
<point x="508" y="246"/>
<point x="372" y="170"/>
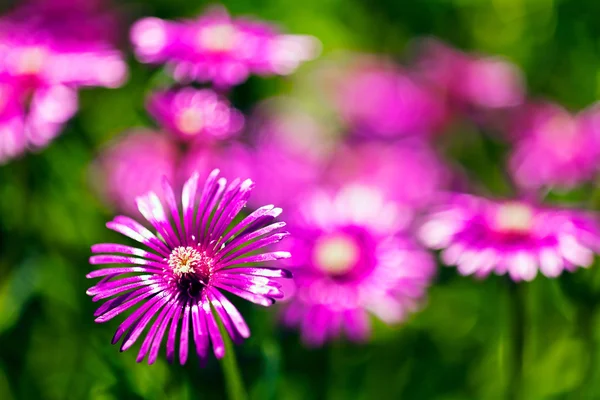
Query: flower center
<point x="188" y="260"/>
<point x="31" y="60"/>
<point x="189" y="121"/>
<point x="514" y="217"/>
<point x="336" y="254"/>
<point x="219" y="37"/>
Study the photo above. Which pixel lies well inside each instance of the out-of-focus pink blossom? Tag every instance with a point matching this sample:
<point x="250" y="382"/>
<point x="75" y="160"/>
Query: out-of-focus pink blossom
<point x="481" y="236"/>
<point x="555" y="148"/>
<point x="378" y="98"/>
<point x="470" y="81"/>
<point x="411" y="174"/>
<point x="47" y="51"/>
<point x="134" y="165"/>
<point x="215" y="47"/>
<point x="195" y="114"/>
<point x="348" y="261"/>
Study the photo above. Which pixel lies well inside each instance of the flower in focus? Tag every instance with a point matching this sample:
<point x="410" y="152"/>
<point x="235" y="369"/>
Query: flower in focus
<point x="555" y="148"/>
<point x="376" y="97"/>
<point x="190" y="113"/>
<point x="380" y="164"/>
<point x="481" y="236"/>
<point x="134" y="165"/>
<point x="472" y="81"/>
<point x="178" y="279"/>
<point x="217" y="48"/>
<point x="47" y="51"/>
<point x="350" y="260"/>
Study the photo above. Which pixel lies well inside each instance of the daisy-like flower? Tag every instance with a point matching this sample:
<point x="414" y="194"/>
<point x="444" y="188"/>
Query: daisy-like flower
<point x="191" y="113"/>
<point x="350" y="260"/>
<point x="481" y="236"/>
<point x="176" y="281"/>
<point x="133" y="166"/>
<point x="554" y="147"/>
<point x="220" y="49"/>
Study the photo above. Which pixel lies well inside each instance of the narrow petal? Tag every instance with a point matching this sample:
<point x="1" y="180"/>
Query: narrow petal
<point x="213" y="330"/>
<point x="234" y="314"/>
<point x="122" y="249"/>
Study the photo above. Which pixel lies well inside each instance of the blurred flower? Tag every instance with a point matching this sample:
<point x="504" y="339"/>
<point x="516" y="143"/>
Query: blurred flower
<point x="290" y="152"/>
<point x="220" y="49"/>
<point x="470" y="80"/>
<point x="135" y="165"/>
<point x="190" y="114"/>
<point x="481" y="236"/>
<point x="349" y="260"/>
<point x="235" y="158"/>
<point x="180" y="275"/>
<point x="376" y="97"/>
<point x="554" y="147"/>
<point x="12" y="133"/>
<point x="47" y="51"/>
<point x="408" y="173"/>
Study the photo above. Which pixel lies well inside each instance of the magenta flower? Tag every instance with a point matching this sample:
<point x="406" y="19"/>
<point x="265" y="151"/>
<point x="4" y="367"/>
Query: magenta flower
<point x="470" y="80"/>
<point x="190" y="113"/>
<point x="177" y="279"/>
<point x="51" y="43"/>
<point x="134" y="165"/>
<point x="379" y="165"/>
<point x="350" y="260"/>
<point x="555" y="148"/>
<point x="376" y="97"/>
<point x="481" y="236"/>
<point x="48" y="50"/>
<point x="220" y="49"/>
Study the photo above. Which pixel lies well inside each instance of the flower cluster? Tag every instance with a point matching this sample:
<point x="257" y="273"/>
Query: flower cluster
<point x="48" y="50"/>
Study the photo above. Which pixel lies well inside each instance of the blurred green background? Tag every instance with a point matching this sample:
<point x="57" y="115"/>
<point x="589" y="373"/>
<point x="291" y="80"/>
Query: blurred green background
<point x="474" y="340"/>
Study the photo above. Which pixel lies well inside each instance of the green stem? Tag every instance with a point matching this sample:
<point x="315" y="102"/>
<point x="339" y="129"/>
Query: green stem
<point x="231" y="371"/>
<point x="517" y="300"/>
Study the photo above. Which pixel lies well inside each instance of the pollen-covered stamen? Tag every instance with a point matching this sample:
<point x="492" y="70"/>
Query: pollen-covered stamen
<point x="219" y="37"/>
<point x="514" y="217"/>
<point x="336" y="254"/>
<point x="189" y="121"/>
<point x="188" y="260"/>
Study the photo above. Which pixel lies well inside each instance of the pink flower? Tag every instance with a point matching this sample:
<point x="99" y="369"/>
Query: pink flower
<point x="468" y="80"/>
<point x="47" y="51"/>
<point x="555" y="148"/>
<point x="481" y="236"/>
<point x="349" y="261"/>
<point x="377" y="98"/>
<point x="190" y="113"/>
<point x="220" y="49"/>
<point x="134" y="165"/>
<point x="409" y="173"/>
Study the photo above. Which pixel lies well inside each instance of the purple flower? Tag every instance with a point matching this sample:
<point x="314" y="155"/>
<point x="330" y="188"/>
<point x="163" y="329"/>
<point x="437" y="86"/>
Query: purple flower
<point x="350" y="260"/>
<point x="481" y="236"/>
<point x="176" y="281"/>
<point x="555" y="148"/>
<point x="12" y="135"/>
<point x="220" y="49"/>
<point x="134" y="165"/>
<point x="190" y="113"/>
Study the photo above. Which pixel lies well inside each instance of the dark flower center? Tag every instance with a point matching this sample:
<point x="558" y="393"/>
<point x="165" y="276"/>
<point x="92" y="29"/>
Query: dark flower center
<point x="192" y="269"/>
